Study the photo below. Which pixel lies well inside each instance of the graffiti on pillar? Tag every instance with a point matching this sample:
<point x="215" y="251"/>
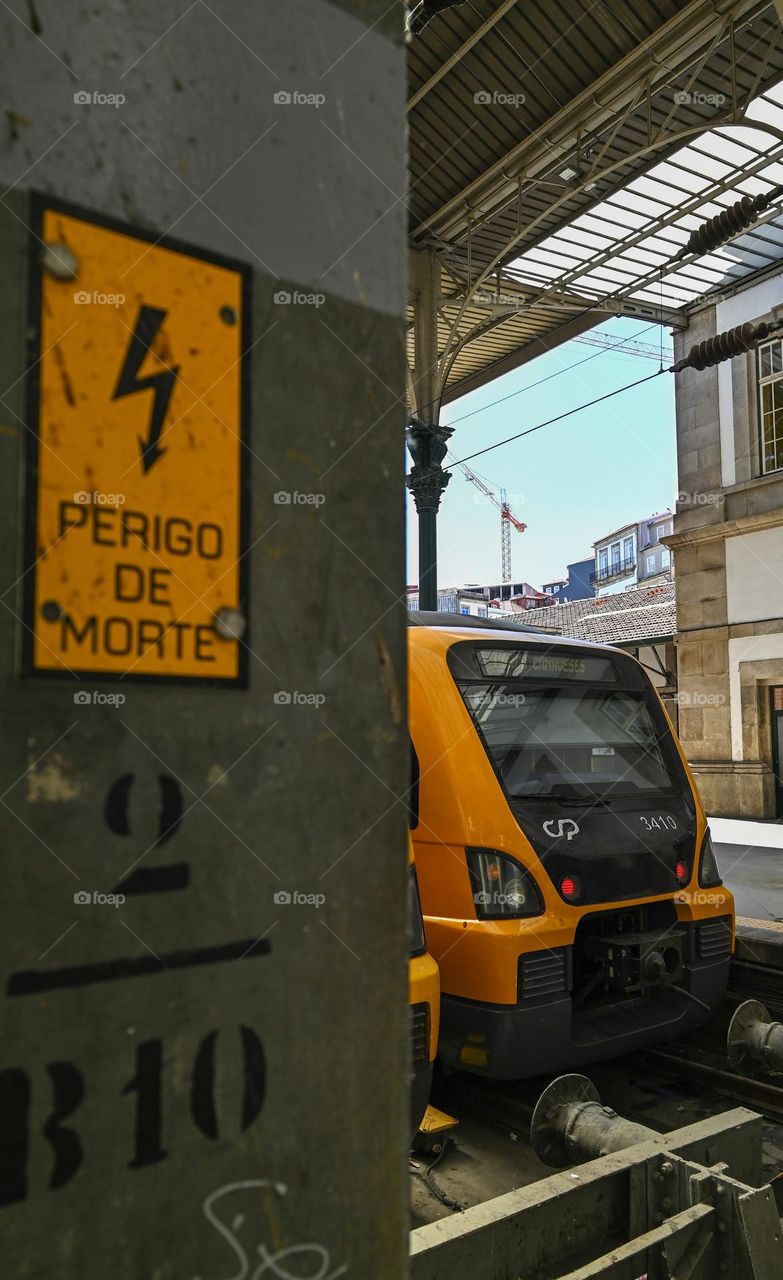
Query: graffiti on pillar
<point x="275" y="1264"/>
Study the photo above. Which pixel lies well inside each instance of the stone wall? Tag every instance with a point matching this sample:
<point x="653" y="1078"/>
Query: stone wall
<point x="729" y="604"/>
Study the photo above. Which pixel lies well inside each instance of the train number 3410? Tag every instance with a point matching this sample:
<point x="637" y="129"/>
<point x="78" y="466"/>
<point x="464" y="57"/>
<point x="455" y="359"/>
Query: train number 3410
<point x="659" y="822"/>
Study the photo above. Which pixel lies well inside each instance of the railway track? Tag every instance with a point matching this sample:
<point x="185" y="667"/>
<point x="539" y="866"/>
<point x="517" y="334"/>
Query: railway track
<point x="680" y="1083"/>
<point x="510" y="1105"/>
<point x="752" y="981"/>
<point x="695" y="1068"/>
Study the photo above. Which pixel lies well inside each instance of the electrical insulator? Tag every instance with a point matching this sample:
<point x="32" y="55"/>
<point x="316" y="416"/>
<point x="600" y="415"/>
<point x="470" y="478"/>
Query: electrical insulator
<point x="724" y="226"/>
<point x="724" y="346"/>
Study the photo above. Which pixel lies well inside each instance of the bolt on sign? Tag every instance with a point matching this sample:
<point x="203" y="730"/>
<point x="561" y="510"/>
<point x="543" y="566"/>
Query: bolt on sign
<point x="136" y="550"/>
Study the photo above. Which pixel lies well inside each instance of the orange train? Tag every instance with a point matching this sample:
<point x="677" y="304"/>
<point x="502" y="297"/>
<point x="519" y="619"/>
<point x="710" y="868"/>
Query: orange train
<point x="570" y="890"/>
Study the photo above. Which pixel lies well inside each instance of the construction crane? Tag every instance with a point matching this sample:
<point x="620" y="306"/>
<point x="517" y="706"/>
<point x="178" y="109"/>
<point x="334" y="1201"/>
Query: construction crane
<point x="629" y="348"/>
<point x="507" y="519"/>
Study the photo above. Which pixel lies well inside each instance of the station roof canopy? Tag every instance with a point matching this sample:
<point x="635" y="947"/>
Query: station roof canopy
<point x="561" y="153"/>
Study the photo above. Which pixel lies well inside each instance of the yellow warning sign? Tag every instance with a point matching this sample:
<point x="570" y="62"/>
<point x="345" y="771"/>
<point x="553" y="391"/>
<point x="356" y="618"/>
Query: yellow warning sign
<point x="136" y="562"/>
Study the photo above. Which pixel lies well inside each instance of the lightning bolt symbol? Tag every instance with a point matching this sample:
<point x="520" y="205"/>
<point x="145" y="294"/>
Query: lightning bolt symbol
<point x="148" y="323"/>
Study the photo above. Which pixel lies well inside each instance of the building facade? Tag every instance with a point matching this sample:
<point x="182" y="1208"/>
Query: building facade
<point x="654" y="559"/>
<point x="634" y="555"/>
<point x="453" y="600"/>
<point x="615" y="561"/>
<point x="728" y="547"/>
<point x="578" y="585"/>
<point x="482" y="602"/>
<point x="504" y="592"/>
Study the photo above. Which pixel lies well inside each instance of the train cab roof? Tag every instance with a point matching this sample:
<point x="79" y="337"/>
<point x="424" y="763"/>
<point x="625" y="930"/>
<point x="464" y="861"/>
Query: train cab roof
<point x="454" y="621"/>
<point x="452" y="626"/>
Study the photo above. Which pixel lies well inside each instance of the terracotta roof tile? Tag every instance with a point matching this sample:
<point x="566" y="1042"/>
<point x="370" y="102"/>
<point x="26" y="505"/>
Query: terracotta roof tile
<point x="646" y="613"/>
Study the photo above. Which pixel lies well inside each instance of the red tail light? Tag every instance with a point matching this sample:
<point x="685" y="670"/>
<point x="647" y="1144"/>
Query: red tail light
<point x="569" y="887"/>
<point x="683" y="873"/>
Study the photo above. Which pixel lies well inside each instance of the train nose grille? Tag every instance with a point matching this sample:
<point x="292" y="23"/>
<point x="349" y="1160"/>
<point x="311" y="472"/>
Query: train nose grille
<point x="713" y="939"/>
<point x="543" y="973"/>
<point x="419" y="1036"/>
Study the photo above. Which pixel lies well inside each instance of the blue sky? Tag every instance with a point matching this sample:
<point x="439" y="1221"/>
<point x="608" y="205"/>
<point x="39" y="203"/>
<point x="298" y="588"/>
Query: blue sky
<point x="571" y="482"/>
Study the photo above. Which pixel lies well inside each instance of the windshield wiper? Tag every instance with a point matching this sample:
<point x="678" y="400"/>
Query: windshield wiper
<point x="586" y="801"/>
<point x="595" y="802"/>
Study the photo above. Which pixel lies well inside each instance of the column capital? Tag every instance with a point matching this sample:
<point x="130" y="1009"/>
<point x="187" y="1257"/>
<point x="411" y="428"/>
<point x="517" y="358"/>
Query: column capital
<point x="427" y="445"/>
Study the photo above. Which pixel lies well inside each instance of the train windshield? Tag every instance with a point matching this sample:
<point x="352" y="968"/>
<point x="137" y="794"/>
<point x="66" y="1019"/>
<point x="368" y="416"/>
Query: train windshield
<point x="559" y="724"/>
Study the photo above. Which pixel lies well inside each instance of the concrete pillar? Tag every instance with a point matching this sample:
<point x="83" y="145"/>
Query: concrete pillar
<point x="208" y="1078"/>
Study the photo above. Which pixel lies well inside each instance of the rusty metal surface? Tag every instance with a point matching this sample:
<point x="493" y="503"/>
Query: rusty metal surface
<point x="641" y="1208"/>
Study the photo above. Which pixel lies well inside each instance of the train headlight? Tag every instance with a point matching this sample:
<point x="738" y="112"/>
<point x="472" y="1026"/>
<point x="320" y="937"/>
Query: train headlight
<point x="415" y="919"/>
<point x="502" y="888"/>
<point x="709" y="875"/>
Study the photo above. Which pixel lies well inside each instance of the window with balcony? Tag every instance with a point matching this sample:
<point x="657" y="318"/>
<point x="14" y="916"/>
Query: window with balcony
<point x="614" y="561"/>
<point x="770" y="379"/>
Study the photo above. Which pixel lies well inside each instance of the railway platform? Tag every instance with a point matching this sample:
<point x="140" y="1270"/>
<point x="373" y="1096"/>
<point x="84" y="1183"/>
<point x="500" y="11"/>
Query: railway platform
<point x="749" y="857"/>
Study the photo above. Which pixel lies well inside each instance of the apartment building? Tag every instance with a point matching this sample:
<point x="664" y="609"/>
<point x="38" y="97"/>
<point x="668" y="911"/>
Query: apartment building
<point x="633" y="555"/>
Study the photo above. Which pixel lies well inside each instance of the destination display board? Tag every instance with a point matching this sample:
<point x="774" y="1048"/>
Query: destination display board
<point x="136" y="564"/>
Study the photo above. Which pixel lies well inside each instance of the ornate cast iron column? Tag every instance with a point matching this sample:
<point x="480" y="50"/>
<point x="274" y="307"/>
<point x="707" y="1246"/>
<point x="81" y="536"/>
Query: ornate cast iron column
<point x="427" y="481"/>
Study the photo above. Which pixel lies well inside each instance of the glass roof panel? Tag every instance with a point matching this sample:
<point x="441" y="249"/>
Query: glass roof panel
<point x="630" y="235"/>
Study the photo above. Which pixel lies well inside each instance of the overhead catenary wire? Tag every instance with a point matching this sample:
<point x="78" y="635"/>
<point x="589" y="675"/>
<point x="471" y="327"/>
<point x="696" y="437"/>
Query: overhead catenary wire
<point x="568" y="413"/>
<point x="531" y="385"/>
<point x="724" y="346"/>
